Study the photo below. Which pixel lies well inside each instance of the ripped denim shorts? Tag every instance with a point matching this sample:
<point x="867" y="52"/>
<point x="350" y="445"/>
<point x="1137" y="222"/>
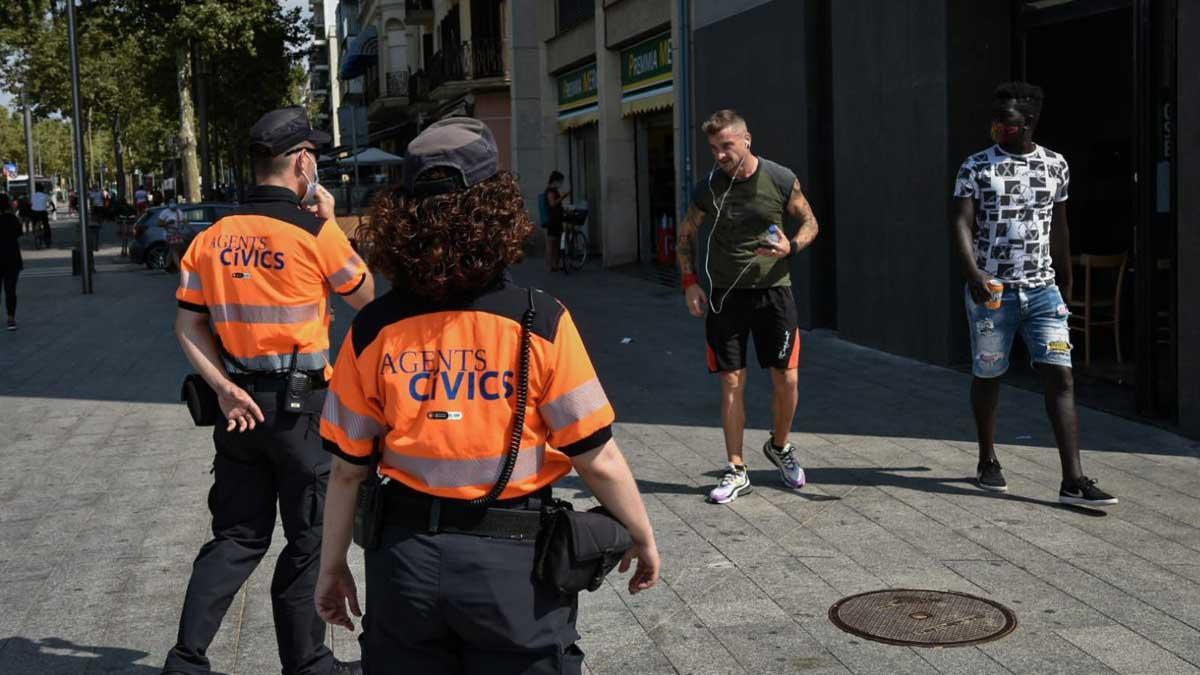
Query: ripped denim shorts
<point x="1038" y="314"/>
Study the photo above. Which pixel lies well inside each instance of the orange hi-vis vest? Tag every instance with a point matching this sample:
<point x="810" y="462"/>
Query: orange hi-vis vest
<point x="434" y="389"/>
<point x="263" y="274"/>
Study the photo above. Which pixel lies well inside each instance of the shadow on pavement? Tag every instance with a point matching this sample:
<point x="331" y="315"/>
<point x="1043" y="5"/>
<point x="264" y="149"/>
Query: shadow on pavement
<point x="19" y="655"/>
<point x="765" y="479"/>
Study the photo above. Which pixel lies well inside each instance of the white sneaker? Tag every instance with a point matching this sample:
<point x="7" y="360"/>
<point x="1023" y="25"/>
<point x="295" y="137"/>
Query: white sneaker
<point x="732" y="484"/>
<point x="785" y="461"/>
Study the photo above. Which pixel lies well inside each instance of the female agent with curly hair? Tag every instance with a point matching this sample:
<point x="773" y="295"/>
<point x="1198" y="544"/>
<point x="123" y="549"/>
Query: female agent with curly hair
<point x="471" y="396"/>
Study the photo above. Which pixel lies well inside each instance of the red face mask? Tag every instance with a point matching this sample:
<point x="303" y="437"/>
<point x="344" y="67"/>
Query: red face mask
<point x="1004" y="133"/>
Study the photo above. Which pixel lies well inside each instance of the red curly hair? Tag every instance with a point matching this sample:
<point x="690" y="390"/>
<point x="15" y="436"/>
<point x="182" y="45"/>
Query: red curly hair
<point x="451" y="245"/>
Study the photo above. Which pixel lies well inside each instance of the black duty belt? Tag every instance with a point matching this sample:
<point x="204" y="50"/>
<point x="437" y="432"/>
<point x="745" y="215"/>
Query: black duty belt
<point x="275" y="381"/>
<point x="512" y="519"/>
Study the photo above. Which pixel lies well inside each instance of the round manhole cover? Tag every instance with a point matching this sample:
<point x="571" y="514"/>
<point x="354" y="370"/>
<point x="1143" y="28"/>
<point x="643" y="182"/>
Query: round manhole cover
<point x="923" y="618"/>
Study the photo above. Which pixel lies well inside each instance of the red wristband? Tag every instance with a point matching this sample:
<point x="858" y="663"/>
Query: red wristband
<point x="690" y="279"/>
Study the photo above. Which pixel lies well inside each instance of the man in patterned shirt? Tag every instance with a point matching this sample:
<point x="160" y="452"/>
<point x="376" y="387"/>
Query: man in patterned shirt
<point x="1010" y="225"/>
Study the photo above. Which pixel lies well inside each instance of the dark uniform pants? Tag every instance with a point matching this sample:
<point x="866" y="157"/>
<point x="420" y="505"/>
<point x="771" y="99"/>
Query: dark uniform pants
<point x="281" y="460"/>
<point x="455" y="603"/>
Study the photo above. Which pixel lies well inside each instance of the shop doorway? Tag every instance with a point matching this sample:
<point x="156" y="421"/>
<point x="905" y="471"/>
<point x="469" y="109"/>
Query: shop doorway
<point x="655" y="157"/>
<point x="583" y="177"/>
<point x="1100" y="63"/>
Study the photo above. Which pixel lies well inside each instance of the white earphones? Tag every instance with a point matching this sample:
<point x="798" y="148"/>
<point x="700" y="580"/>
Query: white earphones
<point x="708" y="249"/>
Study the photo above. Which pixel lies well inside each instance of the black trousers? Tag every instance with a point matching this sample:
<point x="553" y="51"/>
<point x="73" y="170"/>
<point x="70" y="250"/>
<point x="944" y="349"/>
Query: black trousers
<point x="9" y="276"/>
<point x="442" y="604"/>
<point x="281" y="460"/>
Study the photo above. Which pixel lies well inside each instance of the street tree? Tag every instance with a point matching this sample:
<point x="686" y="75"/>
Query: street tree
<point x="212" y="29"/>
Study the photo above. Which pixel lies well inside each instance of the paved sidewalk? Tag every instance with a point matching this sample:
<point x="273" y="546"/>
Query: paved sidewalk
<point x="102" y="505"/>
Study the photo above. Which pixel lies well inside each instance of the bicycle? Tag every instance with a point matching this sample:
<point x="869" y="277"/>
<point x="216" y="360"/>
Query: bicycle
<point x="42" y="237"/>
<point x="573" y="244"/>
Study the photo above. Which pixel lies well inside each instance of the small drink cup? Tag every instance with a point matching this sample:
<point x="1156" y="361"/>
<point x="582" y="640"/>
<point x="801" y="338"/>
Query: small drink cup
<point x="997" y="294"/>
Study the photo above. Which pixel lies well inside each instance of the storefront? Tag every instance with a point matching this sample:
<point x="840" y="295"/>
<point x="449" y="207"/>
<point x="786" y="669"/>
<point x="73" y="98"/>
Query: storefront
<point x="647" y="99"/>
<point x="578" y="149"/>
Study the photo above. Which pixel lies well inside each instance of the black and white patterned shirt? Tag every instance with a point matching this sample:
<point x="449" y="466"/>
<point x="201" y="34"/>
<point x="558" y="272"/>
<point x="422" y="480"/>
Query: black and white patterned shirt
<point x="1014" y="205"/>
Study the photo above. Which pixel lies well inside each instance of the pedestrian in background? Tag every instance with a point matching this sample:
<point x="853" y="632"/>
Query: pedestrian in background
<point x="552" y="219"/>
<point x="261" y="279"/>
<point x="40" y="207"/>
<point x="450" y="588"/>
<point x="10" y="258"/>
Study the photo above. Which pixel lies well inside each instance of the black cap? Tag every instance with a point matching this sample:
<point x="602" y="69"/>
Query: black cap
<point x="462" y="144"/>
<point x="282" y="129"/>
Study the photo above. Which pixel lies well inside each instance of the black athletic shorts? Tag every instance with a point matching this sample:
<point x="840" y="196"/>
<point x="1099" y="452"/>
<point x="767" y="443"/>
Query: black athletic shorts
<point x="769" y="315"/>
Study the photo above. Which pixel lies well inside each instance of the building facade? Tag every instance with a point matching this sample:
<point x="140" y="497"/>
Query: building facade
<point x="594" y="97"/>
<point x="323" y="61"/>
<point x="408" y="63"/>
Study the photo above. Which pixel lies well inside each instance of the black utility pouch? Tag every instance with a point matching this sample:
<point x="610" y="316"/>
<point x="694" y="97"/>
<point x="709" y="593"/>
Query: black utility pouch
<point x="577" y="549"/>
<point x="201" y="400"/>
<point x="368" y="512"/>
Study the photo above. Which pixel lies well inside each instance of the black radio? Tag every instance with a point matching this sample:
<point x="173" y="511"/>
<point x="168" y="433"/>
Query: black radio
<point x="298" y="386"/>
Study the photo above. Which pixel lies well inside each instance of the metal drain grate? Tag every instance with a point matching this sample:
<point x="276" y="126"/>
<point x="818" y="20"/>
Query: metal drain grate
<point x="923" y="618"/>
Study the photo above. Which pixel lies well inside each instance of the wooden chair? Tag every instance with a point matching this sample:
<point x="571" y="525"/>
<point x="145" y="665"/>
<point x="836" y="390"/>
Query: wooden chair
<point x="1083" y="312"/>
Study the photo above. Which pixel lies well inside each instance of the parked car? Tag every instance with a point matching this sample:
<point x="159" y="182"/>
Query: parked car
<point x="196" y="219"/>
<point x="146" y="233"/>
<point x="160" y="247"/>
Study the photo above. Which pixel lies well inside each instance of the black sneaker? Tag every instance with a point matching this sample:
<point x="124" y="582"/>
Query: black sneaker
<point x="1085" y="493"/>
<point x="990" y="478"/>
<point x="346" y="668"/>
<point x="12" y="324"/>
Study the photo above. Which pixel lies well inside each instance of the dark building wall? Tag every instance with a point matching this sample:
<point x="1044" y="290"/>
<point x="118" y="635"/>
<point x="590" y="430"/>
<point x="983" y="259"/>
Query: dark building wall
<point x="1188" y="145"/>
<point x="979" y="50"/>
<point x="765" y="63"/>
<point x="892" y="176"/>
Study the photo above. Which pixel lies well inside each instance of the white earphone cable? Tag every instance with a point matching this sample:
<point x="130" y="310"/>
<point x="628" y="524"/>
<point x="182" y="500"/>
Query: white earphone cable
<point x="708" y="247"/>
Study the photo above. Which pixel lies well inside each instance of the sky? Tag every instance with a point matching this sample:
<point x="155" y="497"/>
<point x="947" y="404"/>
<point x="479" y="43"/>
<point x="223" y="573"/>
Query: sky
<point x="6" y="99"/>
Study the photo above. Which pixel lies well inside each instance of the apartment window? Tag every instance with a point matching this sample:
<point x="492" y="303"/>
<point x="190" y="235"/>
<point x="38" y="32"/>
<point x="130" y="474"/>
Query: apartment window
<point x="574" y="12"/>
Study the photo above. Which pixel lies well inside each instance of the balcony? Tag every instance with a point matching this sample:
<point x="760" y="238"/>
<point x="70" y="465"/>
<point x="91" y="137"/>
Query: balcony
<point x="468" y="66"/>
<point x="391" y="98"/>
<point x="418" y="87"/>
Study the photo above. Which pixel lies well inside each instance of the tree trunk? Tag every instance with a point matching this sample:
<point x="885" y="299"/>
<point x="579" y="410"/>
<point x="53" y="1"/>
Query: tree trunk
<point x="206" y="176"/>
<point x="119" y="156"/>
<point x="187" y="129"/>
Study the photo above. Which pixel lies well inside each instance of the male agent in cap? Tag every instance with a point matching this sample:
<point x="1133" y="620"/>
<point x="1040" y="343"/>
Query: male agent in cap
<point x="253" y="320"/>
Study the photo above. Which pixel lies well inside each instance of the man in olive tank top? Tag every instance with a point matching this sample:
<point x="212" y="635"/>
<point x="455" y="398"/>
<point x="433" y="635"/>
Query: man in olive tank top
<point x="741" y="284"/>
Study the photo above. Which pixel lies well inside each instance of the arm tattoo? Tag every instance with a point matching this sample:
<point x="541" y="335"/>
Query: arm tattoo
<point x="685" y="240"/>
<point x="799" y="208"/>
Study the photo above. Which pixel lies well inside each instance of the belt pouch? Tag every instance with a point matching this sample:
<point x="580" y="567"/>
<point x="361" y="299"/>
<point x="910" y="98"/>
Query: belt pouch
<point x="368" y="512"/>
<point x="201" y="400"/>
<point x="577" y="549"/>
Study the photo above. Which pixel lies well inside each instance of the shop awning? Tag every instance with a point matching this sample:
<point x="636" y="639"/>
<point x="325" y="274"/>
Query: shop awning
<point x="362" y="54"/>
<point x="371" y="156"/>
<point x="578" y="117"/>
<point x="648" y="100"/>
<point x="647" y="76"/>
<point x="578" y="98"/>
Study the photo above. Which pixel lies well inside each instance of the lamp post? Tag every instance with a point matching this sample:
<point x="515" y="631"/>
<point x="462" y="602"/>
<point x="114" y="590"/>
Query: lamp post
<point x="85" y="251"/>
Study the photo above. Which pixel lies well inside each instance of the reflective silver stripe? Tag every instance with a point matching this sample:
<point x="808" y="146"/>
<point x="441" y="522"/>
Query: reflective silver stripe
<point x="304" y="361"/>
<point x="574" y="405"/>
<point x="189" y="280"/>
<point x="264" y="313"/>
<point x="452" y="473"/>
<point x="348" y="273"/>
<point x="357" y="427"/>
